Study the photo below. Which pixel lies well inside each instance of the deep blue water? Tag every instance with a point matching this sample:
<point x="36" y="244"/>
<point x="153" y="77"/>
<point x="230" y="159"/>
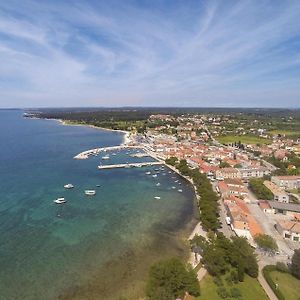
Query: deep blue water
<point x="79" y="250"/>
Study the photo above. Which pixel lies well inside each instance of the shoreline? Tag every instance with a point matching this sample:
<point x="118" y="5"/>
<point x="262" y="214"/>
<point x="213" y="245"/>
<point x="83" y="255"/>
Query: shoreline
<point x="197" y="229"/>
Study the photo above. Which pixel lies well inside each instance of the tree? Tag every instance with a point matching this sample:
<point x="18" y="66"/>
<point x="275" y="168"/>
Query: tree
<point x="257" y="186"/>
<point x="170" y="279"/>
<point x="266" y="242"/>
<point x="171" y="161"/>
<point x="224" y="164"/>
<point x="295" y="266"/>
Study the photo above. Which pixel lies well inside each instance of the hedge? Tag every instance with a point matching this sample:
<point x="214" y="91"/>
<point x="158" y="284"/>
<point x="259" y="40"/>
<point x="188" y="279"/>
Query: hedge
<point x="266" y="272"/>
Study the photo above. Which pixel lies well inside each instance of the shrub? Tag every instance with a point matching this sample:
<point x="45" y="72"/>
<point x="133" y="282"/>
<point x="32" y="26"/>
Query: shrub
<point x="266" y="272"/>
<point x="222" y="292"/>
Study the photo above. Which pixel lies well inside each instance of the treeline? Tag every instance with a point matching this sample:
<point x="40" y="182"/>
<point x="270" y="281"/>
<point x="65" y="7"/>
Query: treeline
<point x="257" y="186"/>
<point x="283" y="169"/>
<point x="221" y="255"/>
<point x="208" y="203"/>
<point x="170" y="279"/>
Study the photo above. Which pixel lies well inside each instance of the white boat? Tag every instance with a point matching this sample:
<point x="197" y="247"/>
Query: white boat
<point x="97" y="185"/>
<point x="157" y="197"/>
<point x="158" y="184"/>
<point x="60" y="200"/>
<point x="68" y="186"/>
<point x="154" y="175"/>
<point x="180" y="191"/>
<point x="105" y="157"/>
<point x="90" y="192"/>
<point x="148" y="173"/>
<point x="173" y="187"/>
<point x="114" y="154"/>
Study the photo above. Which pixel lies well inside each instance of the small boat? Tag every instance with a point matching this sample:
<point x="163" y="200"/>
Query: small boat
<point x="97" y="185"/>
<point x="169" y="172"/>
<point x="68" y="186"/>
<point x="158" y="184"/>
<point x="154" y="175"/>
<point x="157" y="197"/>
<point x="90" y="192"/>
<point x="105" y="157"/>
<point x="148" y="173"/>
<point x="114" y="154"/>
<point x="176" y="181"/>
<point x="180" y="191"/>
<point x="173" y="187"/>
<point x="60" y="200"/>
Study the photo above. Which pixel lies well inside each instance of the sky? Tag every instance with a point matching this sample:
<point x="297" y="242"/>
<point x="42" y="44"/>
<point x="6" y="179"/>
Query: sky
<point x="150" y="53"/>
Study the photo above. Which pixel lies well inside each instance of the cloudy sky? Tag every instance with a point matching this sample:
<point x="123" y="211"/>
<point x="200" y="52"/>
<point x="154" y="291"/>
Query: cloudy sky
<point x="150" y="53"/>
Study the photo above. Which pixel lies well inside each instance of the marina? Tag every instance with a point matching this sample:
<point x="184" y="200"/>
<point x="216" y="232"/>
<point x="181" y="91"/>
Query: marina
<point x="130" y="165"/>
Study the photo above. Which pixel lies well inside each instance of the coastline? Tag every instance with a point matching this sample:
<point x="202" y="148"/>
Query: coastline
<point x="194" y="229"/>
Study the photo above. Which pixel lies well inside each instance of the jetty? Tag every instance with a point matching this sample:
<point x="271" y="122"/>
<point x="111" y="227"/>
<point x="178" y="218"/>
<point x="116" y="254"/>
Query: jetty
<point x="96" y="151"/>
<point x="131" y="165"/>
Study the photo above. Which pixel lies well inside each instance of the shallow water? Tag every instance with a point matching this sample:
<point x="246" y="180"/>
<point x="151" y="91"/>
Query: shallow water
<point x="92" y="247"/>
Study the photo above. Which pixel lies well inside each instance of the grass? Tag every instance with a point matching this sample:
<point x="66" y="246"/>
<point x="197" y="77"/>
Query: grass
<point x="245" y="139"/>
<point x="288" y="284"/>
<point x="250" y="289"/>
<point x="285" y="132"/>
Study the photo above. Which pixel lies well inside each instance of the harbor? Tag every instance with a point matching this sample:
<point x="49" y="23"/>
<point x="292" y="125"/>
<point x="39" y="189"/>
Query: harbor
<point x="130" y="165"/>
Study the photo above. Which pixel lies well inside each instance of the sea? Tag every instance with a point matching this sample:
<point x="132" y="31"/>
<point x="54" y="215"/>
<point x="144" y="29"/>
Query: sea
<point x="91" y="247"/>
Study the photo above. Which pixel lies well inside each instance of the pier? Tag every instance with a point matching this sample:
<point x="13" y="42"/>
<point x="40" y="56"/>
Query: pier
<point x="131" y="165"/>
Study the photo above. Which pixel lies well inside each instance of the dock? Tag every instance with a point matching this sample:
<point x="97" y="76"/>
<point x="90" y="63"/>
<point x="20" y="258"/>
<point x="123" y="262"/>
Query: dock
<point x="131" y="165"/>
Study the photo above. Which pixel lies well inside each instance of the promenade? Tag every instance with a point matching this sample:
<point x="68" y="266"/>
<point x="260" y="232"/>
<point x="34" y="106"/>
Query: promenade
<point x="131" y="165"/>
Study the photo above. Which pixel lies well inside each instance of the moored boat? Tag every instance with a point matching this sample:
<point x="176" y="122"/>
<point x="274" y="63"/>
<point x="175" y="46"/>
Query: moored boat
<point x="68" y="186"/>
<point x="60" y="200"/>
<point x="90" y="192"/>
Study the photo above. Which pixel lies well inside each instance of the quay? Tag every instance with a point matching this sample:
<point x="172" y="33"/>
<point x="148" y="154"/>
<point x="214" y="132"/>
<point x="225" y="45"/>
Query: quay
<point x="131" y="165"/>
<point x="88" y="153"/>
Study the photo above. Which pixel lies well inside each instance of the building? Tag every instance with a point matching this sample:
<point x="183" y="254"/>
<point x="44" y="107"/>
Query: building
<point x="287" y="182"/>
<point x="288" y="209"/>
<point x="279" y="194"/>
<point x="259" y="172"/>
<point x="227" y="173"/>
<point x="289" y="230"/>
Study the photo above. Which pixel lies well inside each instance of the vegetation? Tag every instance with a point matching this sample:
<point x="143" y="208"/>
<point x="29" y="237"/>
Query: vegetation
<point x="172" y="161"/>
<point x="224" y="164"/>
<point x="283" y="283"/>
<point x="170" y="279"/>
<point x="208" y="205"/>
<point x="243" y="139"/>
<point x="212" y="289"/>
<point x="257" y="186"/>
<point x="295" y="266"/>
<point x="222" y="256"/>
<point x="266" y="242"/>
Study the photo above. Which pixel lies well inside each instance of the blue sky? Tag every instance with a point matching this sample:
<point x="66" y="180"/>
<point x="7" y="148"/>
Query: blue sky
<point x="150" y="53"/>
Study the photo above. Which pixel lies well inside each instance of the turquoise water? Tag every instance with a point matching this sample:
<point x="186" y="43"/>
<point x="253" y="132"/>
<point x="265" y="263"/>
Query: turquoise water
<point x="92" y="247"/>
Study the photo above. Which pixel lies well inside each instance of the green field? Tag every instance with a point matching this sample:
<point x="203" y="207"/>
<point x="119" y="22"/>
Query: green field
<point x="245" y="139"/>
<point x="250" y="289"/>
<point x="287" y="284"/>
<point x="285" y="132"/>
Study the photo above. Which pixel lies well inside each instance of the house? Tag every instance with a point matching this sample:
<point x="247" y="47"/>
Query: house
<point x="287" y="182"/>
<point x="289" y="229"/>
<point x="242" y="222"/>
<point x="279" y="194"/>
<point x="265" y="206"/>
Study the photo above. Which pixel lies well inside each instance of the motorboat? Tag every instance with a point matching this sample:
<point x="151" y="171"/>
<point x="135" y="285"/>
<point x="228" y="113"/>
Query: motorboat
<point x="97" y="185"/>
<point x="148" y="173"/>
<point x="155" y="175"/>
<point x="90" y="192"/>
<point x="157" y="197"/>
<point x="105" y="157"/>
<point x="60" y="200"/>
<point x="173" y="187"/>
<point x="68" y="186"/>
<point x="180" y="191"/>
<point x="158" y="184"/>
